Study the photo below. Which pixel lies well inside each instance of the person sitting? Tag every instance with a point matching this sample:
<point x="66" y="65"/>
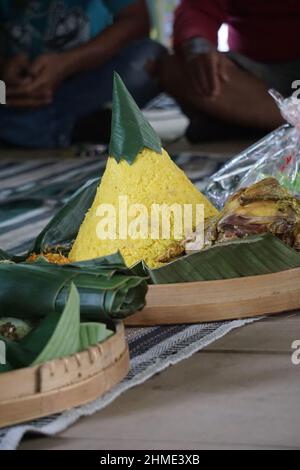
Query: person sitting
<point x="57" y="59"/>
<point x="226" y="94"/>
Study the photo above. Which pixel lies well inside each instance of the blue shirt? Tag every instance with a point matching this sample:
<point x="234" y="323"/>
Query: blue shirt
<point x="35" y="27"/>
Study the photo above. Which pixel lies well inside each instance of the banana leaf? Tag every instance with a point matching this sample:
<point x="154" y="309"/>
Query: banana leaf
<point x="106" y="291"/>
<point x="246" y="257"/>
<point x="91" y="334"/>
<point x="4" y="256"/>
<point x="130" y="131"/>
<point x="63" y="228"/>
<point x="57" y="335"/>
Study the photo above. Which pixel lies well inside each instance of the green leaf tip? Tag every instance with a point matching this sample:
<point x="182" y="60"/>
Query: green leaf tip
<point x="130" y="130"/>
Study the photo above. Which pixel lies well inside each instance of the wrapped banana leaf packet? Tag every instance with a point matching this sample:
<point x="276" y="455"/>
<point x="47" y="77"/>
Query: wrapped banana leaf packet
<point x="65" y="293"/>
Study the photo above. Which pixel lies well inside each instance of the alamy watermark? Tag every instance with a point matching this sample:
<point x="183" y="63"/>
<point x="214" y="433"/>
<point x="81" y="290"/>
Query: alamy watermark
<point x="296" y="87"/>
<point x="296" y="353"/>
<point x="2" y="353"/>
<point x="2" y="92"/>
<point x="159" y="222"/>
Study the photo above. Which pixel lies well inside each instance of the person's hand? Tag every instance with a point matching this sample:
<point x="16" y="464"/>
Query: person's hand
<point x="15" y="71"/>
<point x="208" y="71"/>
<point x="46" y="73"/>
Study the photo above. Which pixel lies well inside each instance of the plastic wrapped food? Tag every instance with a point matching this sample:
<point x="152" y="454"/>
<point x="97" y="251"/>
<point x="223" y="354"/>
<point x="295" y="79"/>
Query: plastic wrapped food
<point x="276" y="155"/>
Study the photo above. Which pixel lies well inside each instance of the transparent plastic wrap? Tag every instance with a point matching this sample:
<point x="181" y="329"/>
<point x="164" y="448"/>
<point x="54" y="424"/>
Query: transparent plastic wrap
<point x="277" y="155"/>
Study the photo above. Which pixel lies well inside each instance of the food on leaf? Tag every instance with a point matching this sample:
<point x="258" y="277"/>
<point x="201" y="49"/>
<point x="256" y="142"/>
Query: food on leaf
<point x="139" y="174"/>
<point x="54" y="258"/>
<point x="14" y="329"/>
<point x="57" y="335"/>
<point x="265" y="207"/>
<point x="242" y="257"/>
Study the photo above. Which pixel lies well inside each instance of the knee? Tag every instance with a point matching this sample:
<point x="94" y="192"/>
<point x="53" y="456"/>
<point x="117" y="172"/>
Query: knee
<point x="151" y="48"/>
<point x="170" y="74"/>
<point x="142" y="51"/>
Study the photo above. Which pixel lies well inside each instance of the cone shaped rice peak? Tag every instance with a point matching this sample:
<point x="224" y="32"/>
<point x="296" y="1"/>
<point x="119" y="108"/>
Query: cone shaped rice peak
<point x="151" y="179"/>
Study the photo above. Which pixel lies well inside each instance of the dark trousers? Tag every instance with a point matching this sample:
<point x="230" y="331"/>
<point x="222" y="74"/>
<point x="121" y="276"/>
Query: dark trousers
<point x="82" y="95"/>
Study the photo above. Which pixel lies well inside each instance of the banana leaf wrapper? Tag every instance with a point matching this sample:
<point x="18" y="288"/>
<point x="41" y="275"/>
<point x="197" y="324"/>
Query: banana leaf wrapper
<point x="57" y="335"/>
<point x="251" y="256"/>
<point x="39" y="289"/>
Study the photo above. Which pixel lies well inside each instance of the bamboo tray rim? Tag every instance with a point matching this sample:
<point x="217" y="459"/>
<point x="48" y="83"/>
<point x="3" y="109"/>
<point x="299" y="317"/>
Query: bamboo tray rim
<point x="61" y="384"/>
<point x="119" y="329"/>
<point x="220" y="300"/>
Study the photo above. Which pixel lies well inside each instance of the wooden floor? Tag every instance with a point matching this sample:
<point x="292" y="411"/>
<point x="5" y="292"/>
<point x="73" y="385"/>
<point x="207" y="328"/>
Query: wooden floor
<point x="242" y="392"/>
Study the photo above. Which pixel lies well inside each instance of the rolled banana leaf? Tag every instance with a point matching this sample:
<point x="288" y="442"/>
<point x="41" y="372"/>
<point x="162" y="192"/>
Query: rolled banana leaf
<point x="57" y="335"/>
<point x="107" y="289"/>
<point x="246" y="257"/>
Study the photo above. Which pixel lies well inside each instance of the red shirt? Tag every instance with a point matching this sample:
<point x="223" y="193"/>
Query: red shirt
<point x="264" y="30"/>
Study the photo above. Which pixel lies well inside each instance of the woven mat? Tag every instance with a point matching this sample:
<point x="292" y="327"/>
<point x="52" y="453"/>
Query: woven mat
<point x="30" y="193"/>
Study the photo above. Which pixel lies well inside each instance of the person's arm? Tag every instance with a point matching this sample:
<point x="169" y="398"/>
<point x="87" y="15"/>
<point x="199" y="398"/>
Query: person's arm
<point x="132" y="22"/>
<point x="196" y="27"/>
<point x="50" y="70"/>
<point x="13" y="70"/>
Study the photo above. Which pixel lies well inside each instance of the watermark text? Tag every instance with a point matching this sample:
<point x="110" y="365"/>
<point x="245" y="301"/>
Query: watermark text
<point x="2" y="353"/>
<point x="2" y="92"/>
<point x="159" y="222"/>
<point x="296" y="353"/>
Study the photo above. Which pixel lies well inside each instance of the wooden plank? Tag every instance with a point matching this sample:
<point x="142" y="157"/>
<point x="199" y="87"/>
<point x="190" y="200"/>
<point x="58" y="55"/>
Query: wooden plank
<point x="123" y="443"/>
<point x="273" y="335"/>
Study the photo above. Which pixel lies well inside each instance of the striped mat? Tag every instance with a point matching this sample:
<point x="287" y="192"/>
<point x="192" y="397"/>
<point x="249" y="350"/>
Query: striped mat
<point x="31" y="192"/>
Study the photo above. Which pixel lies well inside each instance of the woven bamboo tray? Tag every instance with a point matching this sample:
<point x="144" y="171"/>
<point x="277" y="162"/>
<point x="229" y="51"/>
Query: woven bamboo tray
<point x="209" y="301"/>
<point x="55" y="386"/>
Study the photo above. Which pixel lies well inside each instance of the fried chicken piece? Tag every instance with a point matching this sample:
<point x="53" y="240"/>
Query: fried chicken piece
<point x="265" y="207"/>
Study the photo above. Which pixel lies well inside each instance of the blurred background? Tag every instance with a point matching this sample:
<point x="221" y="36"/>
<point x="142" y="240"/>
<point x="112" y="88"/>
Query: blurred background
<point x="162" y="14"/>
<point x="58" y="58"/>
